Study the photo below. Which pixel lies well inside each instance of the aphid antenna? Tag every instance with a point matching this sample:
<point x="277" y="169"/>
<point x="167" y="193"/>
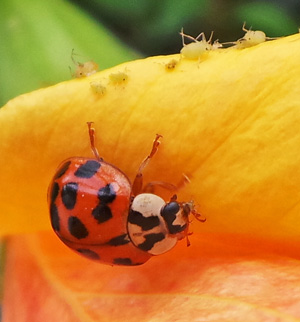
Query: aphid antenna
<point x="210" y="37"/>
<point x="244" y="27"/>
<point x="73" y="59"/>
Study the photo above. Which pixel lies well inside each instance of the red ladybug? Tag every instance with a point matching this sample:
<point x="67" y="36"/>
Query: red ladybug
<point x="98" y="213"/>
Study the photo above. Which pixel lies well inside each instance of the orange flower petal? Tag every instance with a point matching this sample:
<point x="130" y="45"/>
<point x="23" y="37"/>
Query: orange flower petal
<point x="47" y="282"/>
<point x="229" y="121"/>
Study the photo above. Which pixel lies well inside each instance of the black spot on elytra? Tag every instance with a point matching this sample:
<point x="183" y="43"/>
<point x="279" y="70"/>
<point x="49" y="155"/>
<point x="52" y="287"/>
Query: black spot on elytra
<point x="54" y="217"/>
<point x="77" y="228"/>
<point x="69" y="194"/>
<point x="146" y="223"/>
<point x="88" y="169"/>
<point x="169" y="212"/>
<point x="88" y="253"/>
<point x="62" y="170"/>
<point x="119" y="240"/>
<point x="107" y="194"/>
<point x="102" y="213"/>
<point x="150" y="241"/>
<point x="123" y="261"/>
<point x="54" y="191"/>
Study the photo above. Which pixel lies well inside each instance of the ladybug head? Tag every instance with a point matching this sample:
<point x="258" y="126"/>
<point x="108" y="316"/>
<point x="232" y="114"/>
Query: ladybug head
<point x="176" y="215"/>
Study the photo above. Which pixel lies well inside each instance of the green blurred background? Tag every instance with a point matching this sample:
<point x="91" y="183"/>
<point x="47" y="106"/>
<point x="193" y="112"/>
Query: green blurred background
<point x="37" y="37"/>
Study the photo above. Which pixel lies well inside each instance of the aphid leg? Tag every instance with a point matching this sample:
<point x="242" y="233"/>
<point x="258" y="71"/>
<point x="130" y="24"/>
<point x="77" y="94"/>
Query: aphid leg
<point x="230" y="43"/>
<point x="202" y="34"/>
<point x="190" y="37"/>
<point x="137" y="185"/>
<point x="92" y="141"/>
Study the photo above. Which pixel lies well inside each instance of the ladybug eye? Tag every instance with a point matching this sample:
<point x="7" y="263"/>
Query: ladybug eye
<point x="171" y="212"/>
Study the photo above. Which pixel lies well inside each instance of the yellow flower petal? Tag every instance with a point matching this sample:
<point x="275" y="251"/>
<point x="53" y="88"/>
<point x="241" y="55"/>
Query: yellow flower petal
<point x="230" y="121"/>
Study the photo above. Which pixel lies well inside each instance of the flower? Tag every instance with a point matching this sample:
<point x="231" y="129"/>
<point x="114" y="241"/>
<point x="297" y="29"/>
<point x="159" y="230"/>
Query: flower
<point x="230" y="122"/>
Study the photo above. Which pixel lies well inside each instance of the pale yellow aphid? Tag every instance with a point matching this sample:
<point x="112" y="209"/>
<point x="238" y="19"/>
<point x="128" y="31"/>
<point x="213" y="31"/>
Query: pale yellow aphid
<point x="171" y="64"/>
<point x="84" y="69"/>
<point x="251" y="38"/>
<point x="97" y="87"/>
<point x="118" y="78"/>
<point x="198" y="47"/>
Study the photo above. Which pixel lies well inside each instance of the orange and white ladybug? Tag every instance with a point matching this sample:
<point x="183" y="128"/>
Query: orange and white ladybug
<point x="98" y="213"/>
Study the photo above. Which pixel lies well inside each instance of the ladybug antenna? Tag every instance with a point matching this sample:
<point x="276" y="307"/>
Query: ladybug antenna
<point x="92" y="141"/>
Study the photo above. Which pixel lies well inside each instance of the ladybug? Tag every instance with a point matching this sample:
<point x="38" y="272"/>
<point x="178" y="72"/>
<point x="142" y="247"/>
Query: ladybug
<point x="98" y="213"/>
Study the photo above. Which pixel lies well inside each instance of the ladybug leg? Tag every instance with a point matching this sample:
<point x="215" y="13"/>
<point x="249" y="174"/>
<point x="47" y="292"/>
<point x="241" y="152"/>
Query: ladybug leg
<point x="92" y="140"/>
<point x="186" y="233"/>
<point x="188" y="243"/>
<point x="137" y="185"/>
<point x="150" y="186"/>
<point x="183" y="181"/>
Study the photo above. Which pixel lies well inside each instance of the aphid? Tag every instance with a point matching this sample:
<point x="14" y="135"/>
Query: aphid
<point x="97" y="87"/>
<point x="251" y="38"/>
<point x="195" y="49"/>
<point x="118" y="78"/>
<point x="84" y="69"/>
<point x="98" y="213"/>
